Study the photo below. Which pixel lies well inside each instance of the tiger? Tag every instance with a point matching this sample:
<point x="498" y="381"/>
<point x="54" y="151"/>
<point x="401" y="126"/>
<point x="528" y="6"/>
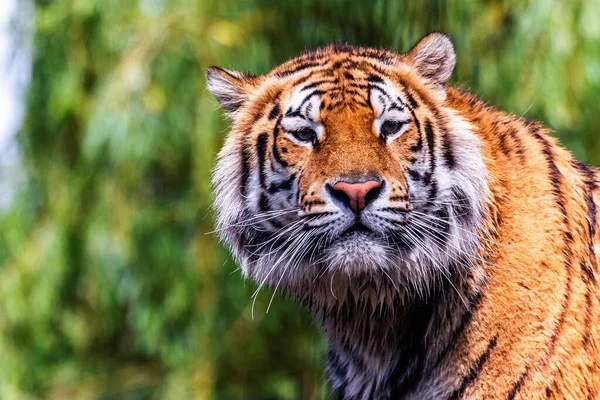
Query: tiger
<point x="445" y="248"/>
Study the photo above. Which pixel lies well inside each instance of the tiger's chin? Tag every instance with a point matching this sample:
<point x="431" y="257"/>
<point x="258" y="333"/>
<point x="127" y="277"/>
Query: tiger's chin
<point x="357" y="253"/>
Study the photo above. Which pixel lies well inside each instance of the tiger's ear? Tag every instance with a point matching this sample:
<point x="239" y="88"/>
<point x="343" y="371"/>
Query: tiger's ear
<point x="434" y="57"/>
<point x="230" y="88"/>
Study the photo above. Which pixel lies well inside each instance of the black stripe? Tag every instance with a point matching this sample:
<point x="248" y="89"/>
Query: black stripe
<point x="431" y="144"/>
<point x="320" y="82"/>
<point x="433" y="191"/>
<point x="411" y="100"/>
<point x="355" y="85"/>
<point x="514" y="134"/>
<point x="332" y="106"/>
<point x="503" y="145"/>
<point x="245" y="162"/>
<point x="283" y="185"/>
<point x="518" y="385"/>
<point x="587" y="322"/>
<point x="363" y="103"/>
<point x="416" y="120"/>
<point x="310" y="204"/>
<point x="414" y="175"/>
<point x="354" y="92"/>
<point x="308" y="97"/>
<point x="443" y="222"/>
<point x="461" y="204"/>
<point x="349" y="64"/>
<point x="365" y="64"/>
<point x="374" y="78"/>
<point x="274" y="112"/>
<point x="292" y="114"/>
<point x="413" y="365"/>
<point x="383" y="92"/>
<point x="592" y="213"/>
<point x="475" y="370"/>
<point x="427" y="178"/>
<point x="448" y="150"/>
<point x="556" y="180"/>
<point x="417" y="97"/>
<point x="395" y="106"/>
<point x="299" y="68"/>
<point x="263" y="203"/>
<point x="261" y="149"/>
<point x="411" y="359"/>
<point x="587" y="270"/>
<point x="419" y="145"/>
<point x="382" y="100"/>
<point x="464" y="322"/>
<point x="276" y="154"/>
<point x="302" y="80"/>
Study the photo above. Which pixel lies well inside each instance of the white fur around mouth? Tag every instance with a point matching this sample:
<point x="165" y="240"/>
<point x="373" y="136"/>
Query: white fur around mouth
<point x="356" y="251"/>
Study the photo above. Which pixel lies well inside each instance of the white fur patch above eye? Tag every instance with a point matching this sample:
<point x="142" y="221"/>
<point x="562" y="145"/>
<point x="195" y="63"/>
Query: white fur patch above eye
<point x="303" y="112"/>
<point x="305" y="102"/>
<point x="295" y="123"/>
<point x="388" y="107"/>
<point x="311" y="108"/>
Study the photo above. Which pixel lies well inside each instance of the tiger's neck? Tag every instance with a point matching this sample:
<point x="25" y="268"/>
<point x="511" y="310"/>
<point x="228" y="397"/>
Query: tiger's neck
<point x="388" y="351"/>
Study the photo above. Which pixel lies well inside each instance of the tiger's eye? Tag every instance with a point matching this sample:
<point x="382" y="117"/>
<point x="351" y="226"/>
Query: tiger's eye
<point x="390" y="127"/>
<point x="305" y="135"/>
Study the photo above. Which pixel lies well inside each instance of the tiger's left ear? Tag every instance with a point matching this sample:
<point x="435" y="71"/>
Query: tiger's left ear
<point x="433" y="57"/>
<point x="231" y="89"/>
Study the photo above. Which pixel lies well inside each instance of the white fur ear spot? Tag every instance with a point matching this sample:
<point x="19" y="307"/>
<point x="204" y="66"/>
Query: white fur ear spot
<point x="230" y="88"/>
<point x="434" y="57"/>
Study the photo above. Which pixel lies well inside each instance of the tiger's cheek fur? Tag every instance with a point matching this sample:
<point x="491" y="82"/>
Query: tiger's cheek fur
<point x="232" y="171"/>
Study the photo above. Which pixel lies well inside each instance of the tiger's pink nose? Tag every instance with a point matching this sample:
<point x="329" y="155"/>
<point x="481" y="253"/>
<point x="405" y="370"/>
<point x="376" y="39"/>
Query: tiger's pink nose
<point x="356" y="195"/>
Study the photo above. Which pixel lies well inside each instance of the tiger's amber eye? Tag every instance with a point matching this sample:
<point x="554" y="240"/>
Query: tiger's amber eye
<point x="306" y="135"/>
<point x="390" y="127"/>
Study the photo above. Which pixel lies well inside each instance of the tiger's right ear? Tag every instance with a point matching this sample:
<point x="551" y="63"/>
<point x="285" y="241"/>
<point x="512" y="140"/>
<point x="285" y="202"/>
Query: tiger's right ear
<point x="231" y="89"/>
<point x="434" y="57"/>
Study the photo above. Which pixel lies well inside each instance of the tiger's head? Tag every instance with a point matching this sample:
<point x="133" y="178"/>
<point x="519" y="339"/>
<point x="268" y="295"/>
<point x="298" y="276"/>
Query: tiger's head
<point x="346" y="168"/>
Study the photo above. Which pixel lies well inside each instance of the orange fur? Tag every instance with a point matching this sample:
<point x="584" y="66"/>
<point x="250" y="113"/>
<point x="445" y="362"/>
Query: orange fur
<point x="542" y="297"/>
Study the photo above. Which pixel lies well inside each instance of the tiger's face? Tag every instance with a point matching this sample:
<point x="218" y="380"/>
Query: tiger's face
<point x="347" y="161"/>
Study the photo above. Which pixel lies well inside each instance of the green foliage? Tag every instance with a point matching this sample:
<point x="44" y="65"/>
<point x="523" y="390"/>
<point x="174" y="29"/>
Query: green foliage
<point x="110" y="286"/>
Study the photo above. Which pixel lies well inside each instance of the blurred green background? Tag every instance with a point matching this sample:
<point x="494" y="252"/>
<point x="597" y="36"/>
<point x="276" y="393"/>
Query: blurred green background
<point x="110" y="286"/>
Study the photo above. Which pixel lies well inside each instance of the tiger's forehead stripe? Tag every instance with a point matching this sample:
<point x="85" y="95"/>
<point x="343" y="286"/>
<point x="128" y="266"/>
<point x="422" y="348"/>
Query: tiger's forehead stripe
<point x="334" y="93"/>
<point x="353" y="76"/>
<point x="337" y="87"/>
<point x="336" y="56"/>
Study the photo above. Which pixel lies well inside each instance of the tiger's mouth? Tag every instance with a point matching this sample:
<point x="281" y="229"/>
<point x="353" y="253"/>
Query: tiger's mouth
<point x="357" y="232"/>
<point x="357" y="250"/>
<point x="358" y="227"/>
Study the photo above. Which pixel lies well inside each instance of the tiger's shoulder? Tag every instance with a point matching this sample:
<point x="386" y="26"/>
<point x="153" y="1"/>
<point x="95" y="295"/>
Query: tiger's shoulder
<point x="544" y="209"/>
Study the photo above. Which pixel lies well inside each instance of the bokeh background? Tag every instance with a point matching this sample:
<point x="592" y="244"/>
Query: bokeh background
<point x="111" y="284"/>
